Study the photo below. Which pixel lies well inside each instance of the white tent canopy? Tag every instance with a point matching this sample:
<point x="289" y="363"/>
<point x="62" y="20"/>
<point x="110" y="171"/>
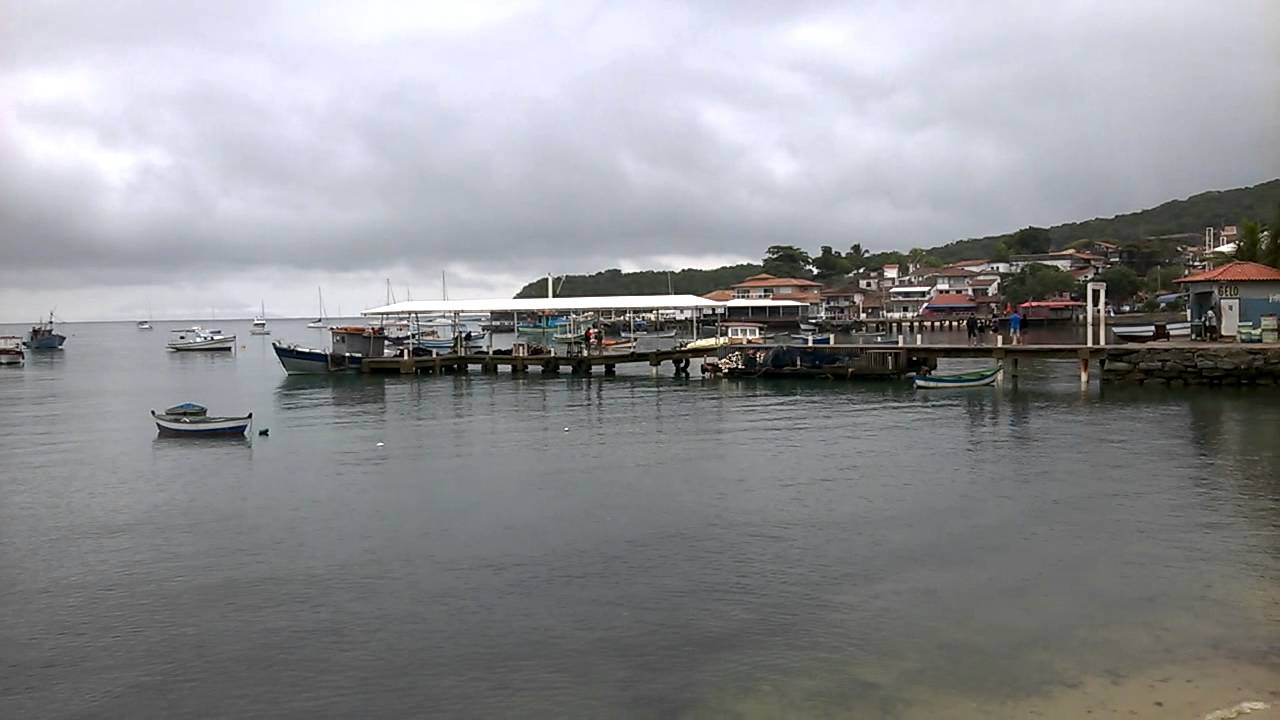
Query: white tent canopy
<point x="559" y="304"/>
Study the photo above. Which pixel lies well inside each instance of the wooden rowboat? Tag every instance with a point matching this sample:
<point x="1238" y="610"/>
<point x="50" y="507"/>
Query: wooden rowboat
<point x="960" y="380"/>
<point x="192" y="420"/>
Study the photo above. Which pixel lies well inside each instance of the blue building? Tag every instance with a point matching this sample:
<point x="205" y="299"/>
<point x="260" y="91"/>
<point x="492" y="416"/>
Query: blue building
<point x="1239" y="292"/>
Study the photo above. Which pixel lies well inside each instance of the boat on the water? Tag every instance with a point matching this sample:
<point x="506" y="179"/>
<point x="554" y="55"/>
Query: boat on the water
<point x="192" y="420"/>
<point x="144" y="325"/>
<point x="196" y="338"/>
<point x="1154" y="331"/>
<point x="470" y="341"/>
<point x="978" y="378"/>
<point x="644" y="334"/>
<point x="734" y="333"/>
<point x="320" y="321"/>
<point x="259" y="325"/>
<point x="43" y="337"/>
<point x="11" y="350"/>
<point x="351" y="345"/>
<point x="810" y="339"/>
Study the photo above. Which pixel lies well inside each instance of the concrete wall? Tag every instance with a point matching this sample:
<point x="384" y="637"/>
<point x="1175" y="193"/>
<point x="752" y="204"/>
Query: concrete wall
<point x="1192" y="365"/>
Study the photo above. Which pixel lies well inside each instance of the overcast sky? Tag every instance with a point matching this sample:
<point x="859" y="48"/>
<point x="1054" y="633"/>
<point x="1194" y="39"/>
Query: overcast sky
<point x="197" y="155"/>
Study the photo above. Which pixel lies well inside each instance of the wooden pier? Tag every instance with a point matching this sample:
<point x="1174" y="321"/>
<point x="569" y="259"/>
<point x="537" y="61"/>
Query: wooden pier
<point x="877" y="360"/>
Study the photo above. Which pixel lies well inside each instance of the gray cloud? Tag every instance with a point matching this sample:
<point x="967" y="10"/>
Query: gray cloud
<point x="522" y="137"/>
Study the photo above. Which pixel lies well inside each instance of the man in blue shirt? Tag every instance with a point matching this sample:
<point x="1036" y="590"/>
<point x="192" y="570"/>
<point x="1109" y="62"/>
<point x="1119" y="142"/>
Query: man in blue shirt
<point x="1015" y="327"/>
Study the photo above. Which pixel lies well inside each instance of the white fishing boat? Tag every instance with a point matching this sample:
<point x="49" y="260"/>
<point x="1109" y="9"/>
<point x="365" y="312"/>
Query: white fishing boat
<point x="1155" y="331"/>
<point x="144" y="325"/>
<point x="196" y="338"/>
<point x="259" y="325"/>
<point x="734" y="333"/>
<point x="11" y="350"/>
<point x="645" y="334"/>
<point x="192" y="420"/>
<point x="320" y="321"/>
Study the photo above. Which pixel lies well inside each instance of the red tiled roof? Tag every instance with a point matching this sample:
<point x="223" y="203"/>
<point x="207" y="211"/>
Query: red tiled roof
<point x="967" y="263"/>
<point x="951" y="272"/>
<point x="848" y="290"/>
<point x="942" y="299"/>
<point x="719" y="295"/>
<point x="1238" y="271"/>
<point x="771" y="281"/>
<point x="983" y="282"/>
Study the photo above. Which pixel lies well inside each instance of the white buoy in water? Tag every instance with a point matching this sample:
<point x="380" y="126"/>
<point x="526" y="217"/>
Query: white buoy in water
<point x="381" y="444"/>
<point x="566" y="429"/>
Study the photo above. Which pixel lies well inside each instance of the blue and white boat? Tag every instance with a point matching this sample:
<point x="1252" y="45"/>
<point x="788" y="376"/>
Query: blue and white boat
<point x="351" y="345"/>
<point x="978" y="378"/>
<point x="192" y="420"/>
<point x="42" y="336"/>
<point x="810" y="339"/>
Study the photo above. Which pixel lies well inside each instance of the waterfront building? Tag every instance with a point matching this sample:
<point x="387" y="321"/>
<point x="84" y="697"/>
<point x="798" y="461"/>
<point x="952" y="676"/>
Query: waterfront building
<point x="1239" y="292"/>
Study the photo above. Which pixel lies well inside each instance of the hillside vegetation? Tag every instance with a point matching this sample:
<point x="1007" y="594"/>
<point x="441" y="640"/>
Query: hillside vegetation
<point x="1192" y="215"/>
<point x="644" y="282"/>
<point x="1152" y="236"/>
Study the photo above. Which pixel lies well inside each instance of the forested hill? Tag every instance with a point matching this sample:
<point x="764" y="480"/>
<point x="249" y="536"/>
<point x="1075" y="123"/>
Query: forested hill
<point x="1214" y="208"/>
<point x="644" y="282"/>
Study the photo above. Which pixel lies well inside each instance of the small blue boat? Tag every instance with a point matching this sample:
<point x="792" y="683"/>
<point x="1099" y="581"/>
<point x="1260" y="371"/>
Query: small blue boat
<point x="192" y="420"/>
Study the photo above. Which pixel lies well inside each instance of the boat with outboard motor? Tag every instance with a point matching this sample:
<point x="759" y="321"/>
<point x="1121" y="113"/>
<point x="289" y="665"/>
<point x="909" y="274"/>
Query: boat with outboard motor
<point x="197" y="338"/>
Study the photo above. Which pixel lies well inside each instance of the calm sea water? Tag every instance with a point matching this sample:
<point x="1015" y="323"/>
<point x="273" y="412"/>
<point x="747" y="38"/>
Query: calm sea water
<point x="613" y="547"/>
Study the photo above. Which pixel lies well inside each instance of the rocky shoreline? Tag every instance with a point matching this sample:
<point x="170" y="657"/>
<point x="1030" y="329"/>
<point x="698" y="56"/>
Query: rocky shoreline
<point x="1193" y="364"/>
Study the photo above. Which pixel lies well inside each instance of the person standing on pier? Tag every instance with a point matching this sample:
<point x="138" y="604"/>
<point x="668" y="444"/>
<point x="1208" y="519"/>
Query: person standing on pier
<point x="1015" y="327"/>
<point x="1211" y="325"/>
<point x="971" y="327"/>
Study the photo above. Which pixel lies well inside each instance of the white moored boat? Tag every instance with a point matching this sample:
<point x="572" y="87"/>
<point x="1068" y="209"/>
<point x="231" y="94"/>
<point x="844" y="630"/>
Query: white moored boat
<point x="259" y="326"/>
<point x="195" y="338"/>
<point x="11" y="350"/>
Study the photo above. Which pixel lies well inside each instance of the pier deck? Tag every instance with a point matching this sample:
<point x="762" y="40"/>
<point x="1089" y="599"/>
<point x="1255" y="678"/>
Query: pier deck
<point x="899" y="357"/>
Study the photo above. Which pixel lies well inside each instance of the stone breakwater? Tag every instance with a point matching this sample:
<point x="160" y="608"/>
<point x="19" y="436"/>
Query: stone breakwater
<point x="1193" y="364"/>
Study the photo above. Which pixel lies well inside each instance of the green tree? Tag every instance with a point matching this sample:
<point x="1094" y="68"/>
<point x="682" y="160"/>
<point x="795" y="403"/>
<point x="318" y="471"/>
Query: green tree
<point x="1000" y="253"/>
<point x="830" y="263"/>
<point x="1271" y="252"/>
<point x="787" y="261"/>
<point x="1030" y="241"/>
<point x="1037" y="282"/>
<point x="880" y="259"/>
<point x="857" y="257"/>
<point x="922" y="258"/>
<point x="1122" y="282"/>
<point x="1249" y="246"/>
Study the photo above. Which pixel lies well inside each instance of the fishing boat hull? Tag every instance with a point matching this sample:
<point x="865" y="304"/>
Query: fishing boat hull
<point x="447" y="344"/>
<point x="638" y="335"/>
<point x="199" y="426"/>
<point x="51" y="341"/>
<point x="961" y="380"/>
<point x="11" y="358"/>
<point x="215" y="344"/>
<point x="811" y="339"/>
<point x="1147" y="333"/>
<point x="298" y="360"/>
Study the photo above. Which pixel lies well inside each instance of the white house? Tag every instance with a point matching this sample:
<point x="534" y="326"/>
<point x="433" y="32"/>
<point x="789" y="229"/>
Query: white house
<point x="906" y="301"/>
